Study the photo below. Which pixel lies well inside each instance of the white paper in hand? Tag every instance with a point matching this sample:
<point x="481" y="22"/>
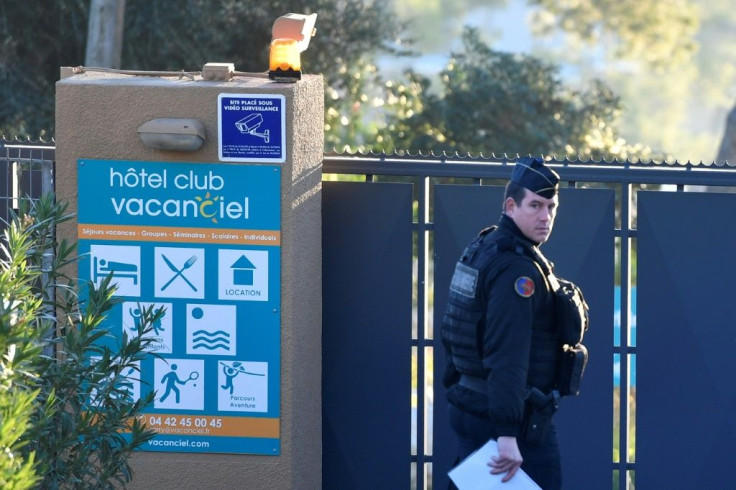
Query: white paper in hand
<point x="473" y="473"/>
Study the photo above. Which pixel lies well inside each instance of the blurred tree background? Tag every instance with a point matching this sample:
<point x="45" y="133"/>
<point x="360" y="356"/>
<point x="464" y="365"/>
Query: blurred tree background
<point x="670" y="63"/>
<point x="595" y="78"/>
<point x="37" y="37"/>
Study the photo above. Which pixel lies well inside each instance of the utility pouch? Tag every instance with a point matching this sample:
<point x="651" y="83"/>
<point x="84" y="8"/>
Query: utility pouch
<point x="571" y="312"/>
<point x="572" y="366"/>
<point x="538" y="411"/>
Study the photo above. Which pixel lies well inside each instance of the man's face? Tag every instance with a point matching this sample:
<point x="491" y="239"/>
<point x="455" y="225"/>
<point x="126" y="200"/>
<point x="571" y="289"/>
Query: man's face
<point x="534" y="216"/>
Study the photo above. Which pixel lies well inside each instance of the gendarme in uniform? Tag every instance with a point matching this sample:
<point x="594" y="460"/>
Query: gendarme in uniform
<point x="504" y="339"/>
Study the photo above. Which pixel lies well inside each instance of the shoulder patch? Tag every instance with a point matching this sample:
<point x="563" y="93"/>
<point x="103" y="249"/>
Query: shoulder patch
<point x="464" y="280"/>
<point x="524" y="287"/>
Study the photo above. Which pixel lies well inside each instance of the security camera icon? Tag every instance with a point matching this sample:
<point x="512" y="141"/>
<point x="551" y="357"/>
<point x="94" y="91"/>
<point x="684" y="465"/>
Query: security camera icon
<point x="250" y="125"/>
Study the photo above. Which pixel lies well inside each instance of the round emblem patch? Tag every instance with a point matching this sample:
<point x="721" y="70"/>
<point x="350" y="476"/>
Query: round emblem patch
<point x="524" y="287"/>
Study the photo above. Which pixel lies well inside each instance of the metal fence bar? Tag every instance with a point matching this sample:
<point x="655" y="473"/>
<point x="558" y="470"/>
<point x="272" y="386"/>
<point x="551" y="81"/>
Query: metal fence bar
<point x="625" y="299"/>
<point x="422" y="193"/>
<point x="634" y="173"/>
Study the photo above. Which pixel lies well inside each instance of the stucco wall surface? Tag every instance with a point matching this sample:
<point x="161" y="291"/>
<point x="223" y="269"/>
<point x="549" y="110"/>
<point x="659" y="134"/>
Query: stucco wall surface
<point x="97" y="116"/>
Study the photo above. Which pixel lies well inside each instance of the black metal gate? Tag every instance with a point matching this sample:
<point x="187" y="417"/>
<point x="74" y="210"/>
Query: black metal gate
<point x="394" y="238"/>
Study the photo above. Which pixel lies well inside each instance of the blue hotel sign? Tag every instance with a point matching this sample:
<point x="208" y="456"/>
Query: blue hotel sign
<point x="203" y="242"/>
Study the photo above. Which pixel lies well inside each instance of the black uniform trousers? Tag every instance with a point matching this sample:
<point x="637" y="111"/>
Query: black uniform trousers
<point x="541" y="463"/>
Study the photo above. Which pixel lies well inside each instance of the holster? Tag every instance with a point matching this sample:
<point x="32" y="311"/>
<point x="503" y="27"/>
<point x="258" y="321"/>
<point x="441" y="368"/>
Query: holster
<point x="538" y="411"/>
<point x="572" y="366"/>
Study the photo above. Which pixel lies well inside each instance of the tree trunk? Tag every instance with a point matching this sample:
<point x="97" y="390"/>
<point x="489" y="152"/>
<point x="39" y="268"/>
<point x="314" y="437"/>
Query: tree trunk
<point x="105" y="33"/>
<point x="727" y="151"/>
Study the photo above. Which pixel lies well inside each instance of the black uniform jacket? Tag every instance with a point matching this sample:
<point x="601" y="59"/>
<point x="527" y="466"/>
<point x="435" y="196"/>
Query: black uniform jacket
<point x="511" y="313"/>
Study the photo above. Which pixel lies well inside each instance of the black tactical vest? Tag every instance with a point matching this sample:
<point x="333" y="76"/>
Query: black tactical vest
<point x="464" y="320"/>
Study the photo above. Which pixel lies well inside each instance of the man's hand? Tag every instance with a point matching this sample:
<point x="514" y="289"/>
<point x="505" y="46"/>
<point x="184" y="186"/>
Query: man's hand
<point x="508" y="460"/>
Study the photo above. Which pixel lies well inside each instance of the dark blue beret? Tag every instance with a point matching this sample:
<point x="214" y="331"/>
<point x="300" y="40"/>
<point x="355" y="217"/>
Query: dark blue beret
<point x="532" y="174"/>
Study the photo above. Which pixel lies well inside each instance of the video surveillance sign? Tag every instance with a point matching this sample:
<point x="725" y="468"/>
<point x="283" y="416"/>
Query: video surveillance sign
<point x="202" y="242"/>
<point x="251" y="128"/>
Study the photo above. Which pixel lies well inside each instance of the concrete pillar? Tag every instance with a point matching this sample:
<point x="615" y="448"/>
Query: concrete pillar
<point x="97" y="117"/>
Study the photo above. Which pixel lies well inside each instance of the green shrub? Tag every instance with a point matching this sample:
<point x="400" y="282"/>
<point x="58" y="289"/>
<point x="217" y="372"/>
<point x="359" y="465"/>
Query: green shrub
<point x="83" y="425"/>
<point x="19" y="348"/>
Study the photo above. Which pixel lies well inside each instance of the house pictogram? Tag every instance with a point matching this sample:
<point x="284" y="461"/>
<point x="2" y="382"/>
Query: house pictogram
<point x="243" y="271"/>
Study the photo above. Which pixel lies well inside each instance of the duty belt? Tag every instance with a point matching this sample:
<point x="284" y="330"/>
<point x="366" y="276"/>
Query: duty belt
<point x="535" y="397"/>
<point x="473" y="383"/>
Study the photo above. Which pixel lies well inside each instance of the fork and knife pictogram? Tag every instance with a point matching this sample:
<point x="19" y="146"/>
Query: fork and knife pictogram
<point x="179" y="271"/>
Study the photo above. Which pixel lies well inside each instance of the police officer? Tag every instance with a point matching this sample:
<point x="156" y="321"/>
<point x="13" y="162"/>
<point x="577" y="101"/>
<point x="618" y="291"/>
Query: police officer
<point x="501" y="337"/>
